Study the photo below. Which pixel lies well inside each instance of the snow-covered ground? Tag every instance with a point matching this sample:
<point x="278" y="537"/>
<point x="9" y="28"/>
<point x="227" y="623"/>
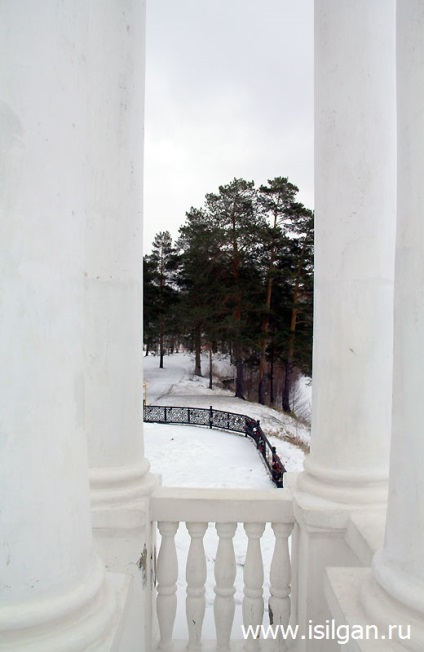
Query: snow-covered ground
<point x="189" y="456"/>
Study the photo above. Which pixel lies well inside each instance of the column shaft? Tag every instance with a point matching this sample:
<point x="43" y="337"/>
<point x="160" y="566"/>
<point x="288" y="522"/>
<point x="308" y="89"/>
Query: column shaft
<point x="399" y="566"/>
<point x="355" y="211"/>
<point x="51" y="584"/>
<point x="354" y="253"/>
<point x="119" y="478"/>
<point x="114" y="251"/>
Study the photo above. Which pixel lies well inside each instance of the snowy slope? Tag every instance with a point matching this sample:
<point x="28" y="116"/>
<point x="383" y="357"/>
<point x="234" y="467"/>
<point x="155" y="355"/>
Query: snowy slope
<point x="176" y="385"/>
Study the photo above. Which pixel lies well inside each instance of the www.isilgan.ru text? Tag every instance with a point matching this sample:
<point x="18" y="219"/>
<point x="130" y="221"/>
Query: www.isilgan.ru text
<point x="329" y="631"/>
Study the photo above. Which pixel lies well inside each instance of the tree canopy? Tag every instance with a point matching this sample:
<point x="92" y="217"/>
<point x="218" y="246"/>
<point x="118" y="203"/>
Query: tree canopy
<point x="238" y="279"/>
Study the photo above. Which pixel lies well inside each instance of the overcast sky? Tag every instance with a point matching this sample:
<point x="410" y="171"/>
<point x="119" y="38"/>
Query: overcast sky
<point x="229" y="93"/>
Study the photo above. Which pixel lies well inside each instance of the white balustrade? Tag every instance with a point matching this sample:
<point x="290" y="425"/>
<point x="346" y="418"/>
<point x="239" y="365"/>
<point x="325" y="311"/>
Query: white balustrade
<point x="225" y="508"/>
<point x="280" y="577"/>
<point x="196" y="578"/>
<point x="253" y="603"/>
<point x="225" y="575"/>
<point x="167" y="575"/>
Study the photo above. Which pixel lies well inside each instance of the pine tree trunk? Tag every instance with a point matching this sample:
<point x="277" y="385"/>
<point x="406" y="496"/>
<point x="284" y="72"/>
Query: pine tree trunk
<point x="237" y="312"/>
<point x="197" y="350"/>
<point x="271" y="374"/>
<point x="239" y="380"/>
<point x="261" y="374"/>
<point x="289" y="362"/>
<point x="287" y="386"/>
<point x="161" y="338"/>
<point x="210" y="367"/>
<point x="265" y="328"/>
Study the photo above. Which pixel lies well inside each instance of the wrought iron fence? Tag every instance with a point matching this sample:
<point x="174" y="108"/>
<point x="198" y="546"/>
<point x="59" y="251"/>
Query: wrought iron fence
<point x="221" y="420"/>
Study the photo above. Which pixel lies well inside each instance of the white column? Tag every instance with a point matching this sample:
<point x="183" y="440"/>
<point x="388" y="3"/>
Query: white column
<point x="53" y="591"/>
<point x="355" y="210"/>
<point x="398" y="566"/>
<point x="114" y="250"/>
<point x="354" y="252"/>
<point x="119" y="478"/>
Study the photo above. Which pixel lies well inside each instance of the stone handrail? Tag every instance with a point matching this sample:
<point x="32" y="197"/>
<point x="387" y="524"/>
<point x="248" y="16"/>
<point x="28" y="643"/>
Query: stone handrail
<point x="225" y="508"/>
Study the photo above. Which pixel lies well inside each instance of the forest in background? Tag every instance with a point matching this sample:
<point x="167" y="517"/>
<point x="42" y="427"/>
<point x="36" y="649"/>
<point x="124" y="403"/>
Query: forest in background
<point x="238" y="280"/>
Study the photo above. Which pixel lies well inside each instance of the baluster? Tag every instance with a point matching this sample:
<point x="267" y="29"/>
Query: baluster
<point x="225" y="575"/>
<point x="253" y="603"/>
<point x="280" y="576"/>
<point x="196" y="578"/>
<point x="167" y="576"/>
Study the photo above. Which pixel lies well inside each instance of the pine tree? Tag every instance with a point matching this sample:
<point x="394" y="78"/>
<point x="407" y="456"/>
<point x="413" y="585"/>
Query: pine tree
<point x="162" y="263"/>
<point x="199" y="278"/>
<point x="233" y="211"/>
<point x="275" y="200"/>
<point x="150" y="306"/>
<point x="302" y="294"/>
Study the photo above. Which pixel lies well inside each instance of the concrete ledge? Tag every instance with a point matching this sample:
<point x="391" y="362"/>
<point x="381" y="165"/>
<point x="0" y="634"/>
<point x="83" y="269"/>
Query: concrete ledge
<point x="365" y="534"/>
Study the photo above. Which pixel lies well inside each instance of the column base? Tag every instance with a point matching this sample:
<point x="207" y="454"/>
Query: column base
<point x="86" y="618"/>
<point x="373" y="620"/>
<point x="348" y="489"/>
<point x="391" y="596"/>
<point x="323" y="508"/>
<point x="120" y="485"/>
<point x="123" y="538"/>
<point x="320" y="541"/>
<point x="404" y="587"/>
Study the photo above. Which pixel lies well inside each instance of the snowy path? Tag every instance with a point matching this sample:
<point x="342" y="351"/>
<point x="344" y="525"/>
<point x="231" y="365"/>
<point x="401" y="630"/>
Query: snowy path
<point x="161" y="381"/>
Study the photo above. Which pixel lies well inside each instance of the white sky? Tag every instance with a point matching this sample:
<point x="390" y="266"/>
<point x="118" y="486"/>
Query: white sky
<point x="229" y="93"/>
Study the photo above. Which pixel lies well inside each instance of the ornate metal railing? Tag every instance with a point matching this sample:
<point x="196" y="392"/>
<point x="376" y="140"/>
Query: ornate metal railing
<point x="211" y="418"/>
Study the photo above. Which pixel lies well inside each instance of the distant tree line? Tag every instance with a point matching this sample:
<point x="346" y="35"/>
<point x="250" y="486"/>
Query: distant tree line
<point x="238" y="280"/>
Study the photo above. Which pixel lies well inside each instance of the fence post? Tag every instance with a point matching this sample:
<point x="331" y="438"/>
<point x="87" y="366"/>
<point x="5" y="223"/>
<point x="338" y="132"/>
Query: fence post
<point x="210" y="416"/>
